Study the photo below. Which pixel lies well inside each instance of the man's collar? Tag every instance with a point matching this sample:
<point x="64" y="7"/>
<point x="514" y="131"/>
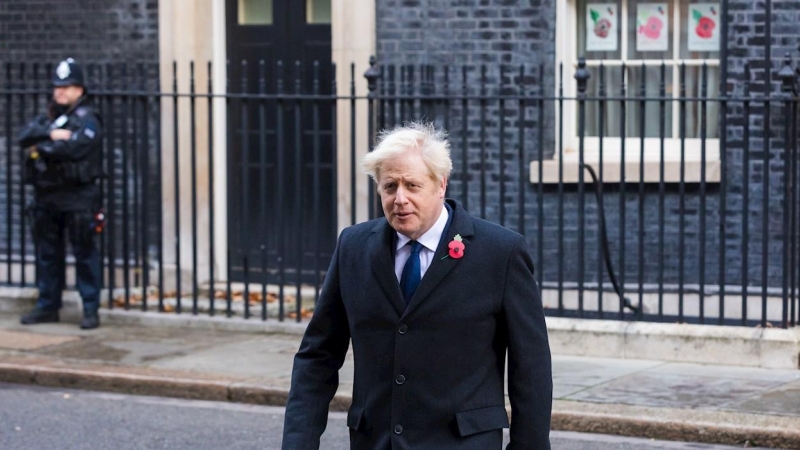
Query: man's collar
<point x="430" y="239"/>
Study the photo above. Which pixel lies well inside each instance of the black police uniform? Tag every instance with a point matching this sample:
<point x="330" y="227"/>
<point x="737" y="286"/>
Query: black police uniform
<point x="64" y="174"/>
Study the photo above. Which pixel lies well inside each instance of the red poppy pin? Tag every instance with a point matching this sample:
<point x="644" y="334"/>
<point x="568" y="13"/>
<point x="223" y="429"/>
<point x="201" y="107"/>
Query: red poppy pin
<point x="456" y="247"/>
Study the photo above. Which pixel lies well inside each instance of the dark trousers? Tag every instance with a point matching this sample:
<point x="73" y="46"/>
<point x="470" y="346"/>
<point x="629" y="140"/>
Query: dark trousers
<point x="50" y="228"/>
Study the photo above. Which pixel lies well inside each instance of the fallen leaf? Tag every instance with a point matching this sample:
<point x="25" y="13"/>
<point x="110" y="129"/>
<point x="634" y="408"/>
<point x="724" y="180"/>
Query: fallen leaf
<point x="133" y="299"/>
<point x="304" y="314"/>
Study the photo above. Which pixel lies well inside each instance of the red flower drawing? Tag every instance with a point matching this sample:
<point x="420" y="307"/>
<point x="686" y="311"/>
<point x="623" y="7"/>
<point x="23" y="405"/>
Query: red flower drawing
<point x="456" y="247"/>
<point x="652" y="28"/>
<point x="602" y="27"/>
<point x="705" y="27"/>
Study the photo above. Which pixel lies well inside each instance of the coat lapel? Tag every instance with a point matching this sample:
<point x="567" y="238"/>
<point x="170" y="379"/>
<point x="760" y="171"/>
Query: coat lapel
<point x="381" y="254"/>
<point x="439" y="268"/>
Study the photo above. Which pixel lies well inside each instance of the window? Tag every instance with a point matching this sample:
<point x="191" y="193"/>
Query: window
<point x="255" y="12"/>
<point x="644" y="43"/>
<point x="318" y="11"/>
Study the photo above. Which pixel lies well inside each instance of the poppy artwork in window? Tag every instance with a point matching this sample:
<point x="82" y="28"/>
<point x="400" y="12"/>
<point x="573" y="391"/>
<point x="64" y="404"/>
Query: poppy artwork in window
<point x="652" y="27"/>
<point x="601" y="23"/>
<point x="703" y="28"/>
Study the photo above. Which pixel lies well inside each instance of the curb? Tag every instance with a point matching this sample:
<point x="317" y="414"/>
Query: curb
<point x="674" y="430"/>
<point x="606" y="419"/>
<point x="161" y="386"/>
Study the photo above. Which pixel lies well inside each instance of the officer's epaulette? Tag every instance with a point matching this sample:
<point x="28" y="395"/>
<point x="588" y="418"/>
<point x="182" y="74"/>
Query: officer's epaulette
<point x="81" y="111"/>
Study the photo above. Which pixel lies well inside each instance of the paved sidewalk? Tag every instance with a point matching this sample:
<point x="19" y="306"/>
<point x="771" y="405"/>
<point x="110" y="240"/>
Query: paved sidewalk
<point x="248" y="361"/>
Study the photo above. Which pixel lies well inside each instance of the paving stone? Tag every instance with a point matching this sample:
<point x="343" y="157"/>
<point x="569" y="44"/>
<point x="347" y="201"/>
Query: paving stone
<point x="784" y="400"/>
<point x="667" y="390"/>
<point x="86" y="350"/>
<point x="20" y="340"/>
<point x="588" y="371"/>
<point x="708" y="370"/>
<point x="561" y="390"/>
<point x="263" y="357"/>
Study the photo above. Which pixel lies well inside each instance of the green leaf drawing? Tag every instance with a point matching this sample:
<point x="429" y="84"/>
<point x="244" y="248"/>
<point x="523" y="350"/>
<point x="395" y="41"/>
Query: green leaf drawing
<point x="595" y="15"/>
<point x="696" y="15"/>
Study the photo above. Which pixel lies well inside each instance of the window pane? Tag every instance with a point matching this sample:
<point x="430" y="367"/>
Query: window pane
<point x="605" y="82"/>
<point x="694" y="109"/>
<point x="598" y="27"/>
<point x="649" y="113"/>
<point x="649" y="29"/>
<point x="255" y="12"/>
<point x="318" y="11"/>
<point x="700" y="29"/>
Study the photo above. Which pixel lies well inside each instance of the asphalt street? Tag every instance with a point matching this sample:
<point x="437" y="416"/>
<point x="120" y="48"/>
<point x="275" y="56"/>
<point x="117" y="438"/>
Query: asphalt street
<point x="33" y="418"/>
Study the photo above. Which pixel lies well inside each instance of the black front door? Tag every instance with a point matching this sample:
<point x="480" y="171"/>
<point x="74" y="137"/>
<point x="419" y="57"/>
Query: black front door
<point x="281" y="154"/>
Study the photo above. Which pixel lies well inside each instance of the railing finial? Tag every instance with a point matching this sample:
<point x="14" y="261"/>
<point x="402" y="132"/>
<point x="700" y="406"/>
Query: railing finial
<point x="582" y="75"/>
<point x="372" y="74"/>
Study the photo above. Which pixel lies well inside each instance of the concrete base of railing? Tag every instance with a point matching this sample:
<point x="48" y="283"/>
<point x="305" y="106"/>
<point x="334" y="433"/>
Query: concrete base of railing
<point x="741" y="346"/>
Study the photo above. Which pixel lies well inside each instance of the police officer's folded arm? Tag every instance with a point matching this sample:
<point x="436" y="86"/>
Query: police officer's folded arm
<point x="36" y="131"/>
<point x="79" y="145"/>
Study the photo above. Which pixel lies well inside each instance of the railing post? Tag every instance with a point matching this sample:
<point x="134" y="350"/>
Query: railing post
<point x="789" y="86"/>
<point x="372" y="74"/>
<point x="788" y="89"/>
<point x="582" y="76"/>
<point x="795" y="320"/>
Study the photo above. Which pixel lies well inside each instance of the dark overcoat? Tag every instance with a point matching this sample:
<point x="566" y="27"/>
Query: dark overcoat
<point x="429" y="375"/>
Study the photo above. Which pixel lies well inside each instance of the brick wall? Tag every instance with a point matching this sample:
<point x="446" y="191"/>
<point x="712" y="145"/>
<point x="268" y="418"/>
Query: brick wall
<point x="461" y="31"/>
<point x="747" y="45"/>
<point x="88" y="30"/>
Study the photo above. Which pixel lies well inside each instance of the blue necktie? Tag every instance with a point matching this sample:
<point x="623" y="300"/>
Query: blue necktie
<point x="411" y="272"/>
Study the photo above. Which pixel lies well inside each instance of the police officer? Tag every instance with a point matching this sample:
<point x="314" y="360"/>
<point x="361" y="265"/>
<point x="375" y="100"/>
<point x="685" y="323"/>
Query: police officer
<point x="63" y="162"/>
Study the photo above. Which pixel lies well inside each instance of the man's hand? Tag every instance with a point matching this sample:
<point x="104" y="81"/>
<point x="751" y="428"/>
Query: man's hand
<point x="60" y="135"/>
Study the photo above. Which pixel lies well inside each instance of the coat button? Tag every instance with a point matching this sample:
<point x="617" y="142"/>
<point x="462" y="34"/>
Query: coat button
<point x="398" y="429"/>
<point x="400" y="379"/>
<point x="402" y="329"/>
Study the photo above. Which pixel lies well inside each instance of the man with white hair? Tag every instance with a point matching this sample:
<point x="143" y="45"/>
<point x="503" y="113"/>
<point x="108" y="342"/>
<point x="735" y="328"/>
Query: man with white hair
<point x="433" y="301"/>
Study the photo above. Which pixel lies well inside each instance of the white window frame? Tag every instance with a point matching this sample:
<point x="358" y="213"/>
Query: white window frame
<point x="567" y="53"/>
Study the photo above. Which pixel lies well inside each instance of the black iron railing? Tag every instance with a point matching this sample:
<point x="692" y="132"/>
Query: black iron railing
<point x="688" y="213"/>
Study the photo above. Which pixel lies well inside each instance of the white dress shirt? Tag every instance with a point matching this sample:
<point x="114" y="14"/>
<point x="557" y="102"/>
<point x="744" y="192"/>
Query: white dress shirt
<point x="429" y="240"/>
